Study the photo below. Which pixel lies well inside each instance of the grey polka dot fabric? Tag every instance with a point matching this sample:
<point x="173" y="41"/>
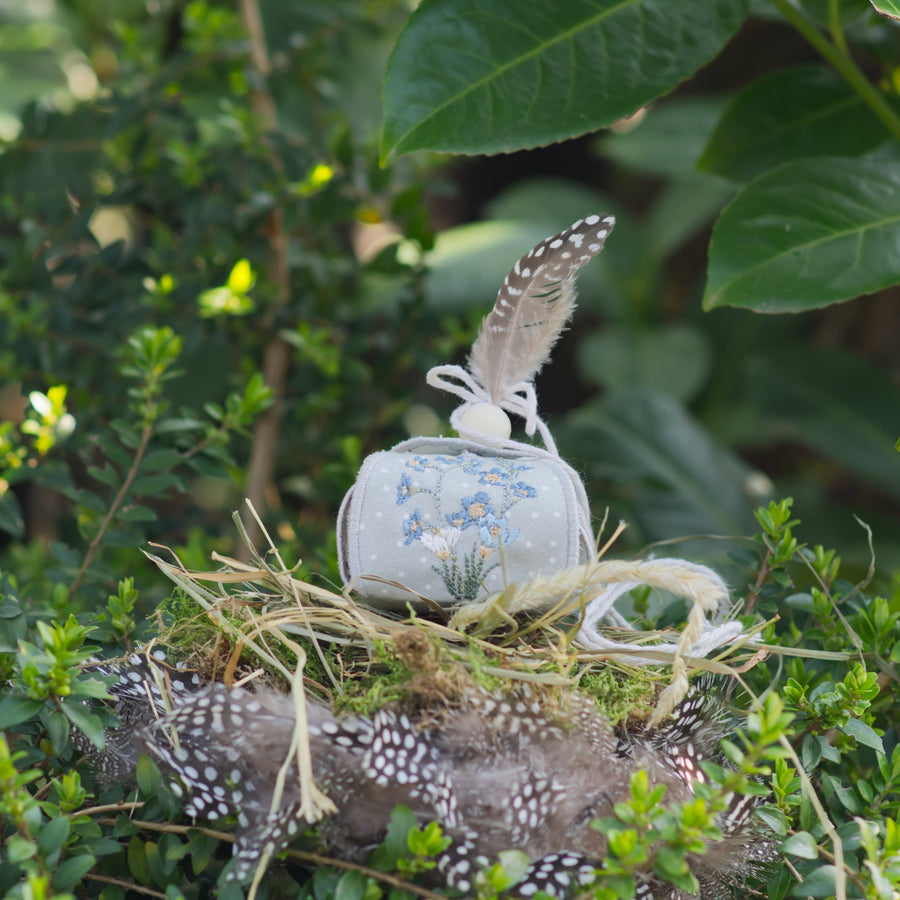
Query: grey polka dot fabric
<point x="452" y="521"/>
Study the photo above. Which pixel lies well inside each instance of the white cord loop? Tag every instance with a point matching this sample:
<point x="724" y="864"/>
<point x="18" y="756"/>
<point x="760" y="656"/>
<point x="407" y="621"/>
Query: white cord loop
<point x="697" y="583"/>
<point x="521" y="400"/>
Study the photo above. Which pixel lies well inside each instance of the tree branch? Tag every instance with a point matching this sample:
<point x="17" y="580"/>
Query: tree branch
<point x="146" y="434"/>
<point x="846" y="67"/>
<point x="277" y="354"/>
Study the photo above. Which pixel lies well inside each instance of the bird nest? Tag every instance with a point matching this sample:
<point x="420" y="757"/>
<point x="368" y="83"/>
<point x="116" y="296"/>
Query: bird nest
<point x="256" y="621"/>
<point x="258" y="625"/>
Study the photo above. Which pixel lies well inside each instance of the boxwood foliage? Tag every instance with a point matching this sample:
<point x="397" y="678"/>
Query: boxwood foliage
<point x="819" y="742"/>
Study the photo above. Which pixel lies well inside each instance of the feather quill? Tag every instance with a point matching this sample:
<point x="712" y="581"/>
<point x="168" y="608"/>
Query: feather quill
<point x="533" y="307"/>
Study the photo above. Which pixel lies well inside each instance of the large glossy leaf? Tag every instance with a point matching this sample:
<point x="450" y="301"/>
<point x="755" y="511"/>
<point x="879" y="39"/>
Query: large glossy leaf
<point x="669" y="138"/>
<point x="667" y="473"/>
<point x="11" y="519"/>
<point x="786" y="115"/>
<point x="807" y="234"/>
<point x="492" y="76"/>
<point x="674" y="359"/>
<point x="469" y="262"/>
<point x="889" y="8"/>
<point x="836" y="405"/>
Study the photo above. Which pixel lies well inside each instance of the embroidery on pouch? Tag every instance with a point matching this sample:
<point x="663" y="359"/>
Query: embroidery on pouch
<point x="466" y="540"/>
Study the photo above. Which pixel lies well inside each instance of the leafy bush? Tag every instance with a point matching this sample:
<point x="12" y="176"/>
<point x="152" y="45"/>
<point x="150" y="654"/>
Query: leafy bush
<point x="187" y="281"/>
<point x="827" y="747"/>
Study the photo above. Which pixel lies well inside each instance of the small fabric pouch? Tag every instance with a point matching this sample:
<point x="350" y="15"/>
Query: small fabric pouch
<point x="452" y="520"/>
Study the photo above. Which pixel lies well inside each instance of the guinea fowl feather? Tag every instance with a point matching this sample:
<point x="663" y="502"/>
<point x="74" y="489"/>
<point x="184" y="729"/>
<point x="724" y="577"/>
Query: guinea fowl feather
<point x="498" y="771"/>
<point x="533" y="307"/>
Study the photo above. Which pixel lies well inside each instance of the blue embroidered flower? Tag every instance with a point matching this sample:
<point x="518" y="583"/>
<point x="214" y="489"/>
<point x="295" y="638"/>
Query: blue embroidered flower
<point x="494" y="476"/>
<point x="523" y="491"/>
<point x="495" y="532"/>
<point x="412" y="527"/>
<point x="404" y="489"/>
<point x="471" y="464"/>
<point x="473" y="511"/>
<point x="466" y="541"/>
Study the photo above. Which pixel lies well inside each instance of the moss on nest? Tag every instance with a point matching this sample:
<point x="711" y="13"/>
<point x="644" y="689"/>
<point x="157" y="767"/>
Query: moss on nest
<point x="414" y="668"/>
<point x="242" y="622"/>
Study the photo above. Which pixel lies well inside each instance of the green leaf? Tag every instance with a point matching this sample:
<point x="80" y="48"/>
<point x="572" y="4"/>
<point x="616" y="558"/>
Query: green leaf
<point x="90" y="687"/>
<point x="352" y="886"/>
<point x="816" y="747"/>
<point x="15" y="710"/>
<point x="86" y="722"/>
<point x="106" y="475"/>
<point x="774" y="818"/>
<point x="668" y="140"/>
<point x="820" y="883"/>
<point x="18" y="849"/>
<point x="171" y="851"/>
<point x="156" y="485"/>
<point x="796" y="112"/>
<point x="231" y="890"/>
<point x="200" y="850"/>
<point x="161" y="460"/>
<point x="491" y="76"/>
<point x="324" y="881"/>
<point x="675" y="478"/>
<point x="137" y="860"/>
<point x="394" y="846"/>
<point x="807" y="234"/>
<point x="515" y="864"/>
<point x="11" y="519"/>
<point x="147" y="775"/>
<point x="835" y="790"/>
<point x="683" y="207"/>
<point x="835" y="404"/>
<point x="801" y="844"/>
<point x="155" y="863"/>
<point x="138" y="513"/>
<point x="675" y="359"/>
<point x="57" y="727"/>
<point x="887" y="8"/>
<point x="124" y="827"/>
<point x="52" y="837"/>
<point x="864" y="734"/>
<point x="241" y="278"/>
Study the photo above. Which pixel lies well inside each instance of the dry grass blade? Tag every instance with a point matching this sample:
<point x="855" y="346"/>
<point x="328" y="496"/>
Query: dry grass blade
<point x="523" y="633"/>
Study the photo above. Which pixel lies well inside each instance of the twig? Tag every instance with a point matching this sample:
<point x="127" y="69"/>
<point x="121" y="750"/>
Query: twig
<point x="124" y="883"/>
<point x="109" y="807"/>
<point x="760" y="580"/>
<point x="844" y="64"/>
<point x="316" y="859"/>
<point x="277" y="353"/>
<point x="146" y="434"/>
